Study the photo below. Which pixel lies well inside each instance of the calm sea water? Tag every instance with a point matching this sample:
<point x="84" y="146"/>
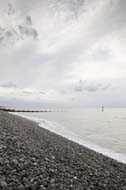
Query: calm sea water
<point x="102" y="131"/>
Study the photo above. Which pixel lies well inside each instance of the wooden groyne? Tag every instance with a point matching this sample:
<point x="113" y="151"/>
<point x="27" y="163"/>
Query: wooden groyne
<point x="29" y="111"/>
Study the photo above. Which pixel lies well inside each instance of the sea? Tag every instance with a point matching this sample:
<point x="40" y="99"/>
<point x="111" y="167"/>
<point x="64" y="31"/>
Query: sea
<point x="104" y="132"/>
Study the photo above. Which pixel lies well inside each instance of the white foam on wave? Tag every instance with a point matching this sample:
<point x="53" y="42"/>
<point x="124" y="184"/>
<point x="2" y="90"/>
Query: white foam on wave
<point x="63" y="131"/>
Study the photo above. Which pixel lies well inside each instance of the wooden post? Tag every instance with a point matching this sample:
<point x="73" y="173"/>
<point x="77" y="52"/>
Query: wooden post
<point x="102" y="108"/>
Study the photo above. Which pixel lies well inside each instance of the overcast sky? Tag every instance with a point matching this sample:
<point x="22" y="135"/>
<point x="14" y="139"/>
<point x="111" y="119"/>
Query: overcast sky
<point x="63" y="53"/>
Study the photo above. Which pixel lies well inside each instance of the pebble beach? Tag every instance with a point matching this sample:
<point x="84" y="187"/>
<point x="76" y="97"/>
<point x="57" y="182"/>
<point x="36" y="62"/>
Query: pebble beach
<point x="34" y="158"/>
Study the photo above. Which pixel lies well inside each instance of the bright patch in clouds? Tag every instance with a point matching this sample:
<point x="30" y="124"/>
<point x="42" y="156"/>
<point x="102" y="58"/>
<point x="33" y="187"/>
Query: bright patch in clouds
<point x="63" y="53"/>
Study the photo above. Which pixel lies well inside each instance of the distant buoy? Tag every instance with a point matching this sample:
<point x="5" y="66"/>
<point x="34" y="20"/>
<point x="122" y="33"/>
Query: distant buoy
<point x="102" y="108"/>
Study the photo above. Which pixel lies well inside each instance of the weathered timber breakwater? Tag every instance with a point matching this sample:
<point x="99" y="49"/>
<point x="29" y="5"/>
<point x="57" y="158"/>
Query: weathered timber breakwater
<point x="33" y="158"/>
<point x="30" y="111"/>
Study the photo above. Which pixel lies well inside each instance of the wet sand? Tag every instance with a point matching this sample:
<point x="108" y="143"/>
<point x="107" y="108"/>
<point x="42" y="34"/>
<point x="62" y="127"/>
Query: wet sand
<point x="33" y="158"/>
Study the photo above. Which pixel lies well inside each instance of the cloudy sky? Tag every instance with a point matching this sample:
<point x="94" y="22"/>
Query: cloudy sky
<point x="63" y="53"/>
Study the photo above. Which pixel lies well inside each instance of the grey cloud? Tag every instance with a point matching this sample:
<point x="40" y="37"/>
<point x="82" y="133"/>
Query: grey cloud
<point x="64" y="9"/>
<point x="74" y="7"/>
<point x="14" y="68"/>
<point x="41" y="92"/>
<point x="106" y="87"/>
<point x="101" y="54"/>
<point x="11" y="9"/>
<point x="111" y="17"/>
<point x="27" y="92"/>
<point x="91" y="86"/>
<point x="32" y="92"/>
<point x="26" y="31"/>
<point x="9" y="34"/>
<point x="8" y="85"/>
<point x="98" y="55"/>
<point x="1" y="39"/>
<point x="16" y="29"/>
<point x="28" y="21"/>
<point x="82" y="87"/>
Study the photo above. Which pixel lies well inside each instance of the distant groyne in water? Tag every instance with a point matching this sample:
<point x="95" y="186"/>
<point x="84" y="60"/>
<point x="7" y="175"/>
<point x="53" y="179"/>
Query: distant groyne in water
<point x="28" y="111"/>
<point x="102" y="108"/>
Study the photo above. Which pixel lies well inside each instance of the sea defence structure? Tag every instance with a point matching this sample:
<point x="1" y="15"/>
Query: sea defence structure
<point x="23" y="110"/>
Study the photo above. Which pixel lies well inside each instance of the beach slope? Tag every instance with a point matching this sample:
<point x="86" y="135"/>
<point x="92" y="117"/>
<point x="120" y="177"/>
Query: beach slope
<point x="33" y="158"/>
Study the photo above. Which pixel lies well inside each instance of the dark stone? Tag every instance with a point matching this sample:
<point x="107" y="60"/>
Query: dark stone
<point x="21" y="187"/>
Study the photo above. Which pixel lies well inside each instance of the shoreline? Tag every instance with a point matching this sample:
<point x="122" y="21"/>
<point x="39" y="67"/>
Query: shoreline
<point x="34" y="158"/>
<point x="72" y="137"/>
